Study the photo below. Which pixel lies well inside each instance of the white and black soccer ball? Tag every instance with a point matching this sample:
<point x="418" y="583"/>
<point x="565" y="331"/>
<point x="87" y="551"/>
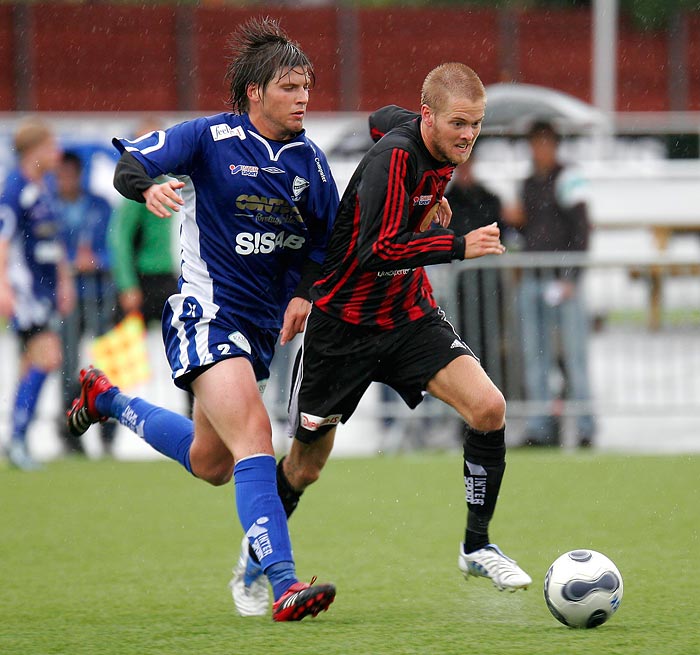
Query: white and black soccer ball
<point x="583" y="588"/>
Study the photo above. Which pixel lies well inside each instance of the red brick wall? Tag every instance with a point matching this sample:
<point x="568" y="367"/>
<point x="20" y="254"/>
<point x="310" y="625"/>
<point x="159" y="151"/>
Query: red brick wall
<point x="555" y="50"/>
<point x="642" y="65"/>
<point x="125" y="57"/>
<point x="7" y="48"/>
<point x="315" y="31"/>
<point x="693" y="62"/>
<point x="399" y="46"/>
<point x="104" y="57"/>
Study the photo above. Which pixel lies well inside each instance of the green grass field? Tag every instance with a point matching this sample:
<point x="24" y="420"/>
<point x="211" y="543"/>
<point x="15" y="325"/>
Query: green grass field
<point x="134" y="558"/>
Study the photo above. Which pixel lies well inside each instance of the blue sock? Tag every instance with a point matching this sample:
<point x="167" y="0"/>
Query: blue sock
<point x="28" y="391"/>
<point x="263" y="519"/>
<point x="253" y="571"/>
<point x="166" y="431"/>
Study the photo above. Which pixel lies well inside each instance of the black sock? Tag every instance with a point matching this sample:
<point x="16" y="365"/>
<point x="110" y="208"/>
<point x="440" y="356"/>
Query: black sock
<point x="484" y="465"/>
<point x="288" y="495"/>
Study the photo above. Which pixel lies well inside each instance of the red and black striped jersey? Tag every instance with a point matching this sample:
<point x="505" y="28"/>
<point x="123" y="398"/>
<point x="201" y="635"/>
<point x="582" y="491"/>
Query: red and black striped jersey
<point x="382" y="237"/>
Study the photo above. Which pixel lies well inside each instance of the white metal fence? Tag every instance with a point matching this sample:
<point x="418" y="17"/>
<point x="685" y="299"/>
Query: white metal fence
<point x="645" y="379"/>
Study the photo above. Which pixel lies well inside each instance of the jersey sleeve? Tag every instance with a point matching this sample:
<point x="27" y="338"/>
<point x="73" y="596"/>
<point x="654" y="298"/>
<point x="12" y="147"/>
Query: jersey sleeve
<point x="385" y="241"/>
<point x="8" y="220"/>
<point x="571" y="188"/>
<point x="321" y="208"/>
<point x="122" y="229"/>
<point x="387" y="118"/>
<point x="166" y="152"/>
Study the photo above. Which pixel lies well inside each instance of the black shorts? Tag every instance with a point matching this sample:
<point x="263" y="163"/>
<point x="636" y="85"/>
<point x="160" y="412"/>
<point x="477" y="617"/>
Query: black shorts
<point x="338" y="361"/>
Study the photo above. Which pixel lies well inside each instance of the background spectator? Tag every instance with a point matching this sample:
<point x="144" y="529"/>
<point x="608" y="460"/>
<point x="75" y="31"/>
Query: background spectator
<point x="552" y="217"/>
<point x="142" y="254"/>
<point x="85" y="220"/>
<point x="35" y="281"/>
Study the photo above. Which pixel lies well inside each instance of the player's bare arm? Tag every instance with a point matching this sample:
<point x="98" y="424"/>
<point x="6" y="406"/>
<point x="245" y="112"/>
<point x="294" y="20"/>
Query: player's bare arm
<point x="7" y="294"/>
<point x="294" y="319"/>
<point x="483" y="241"/>
<point x="444" y="213"/>
<point x="161" y="197"/>
<point x="66" y="294"/>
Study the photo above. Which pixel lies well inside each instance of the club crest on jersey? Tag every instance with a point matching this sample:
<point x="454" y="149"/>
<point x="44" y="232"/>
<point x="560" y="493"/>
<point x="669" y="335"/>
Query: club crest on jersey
<point x="223" y="131"/>
<point x="246" y="171"/>
<point x="422" y="201"/>
<point x="298" y="187"/>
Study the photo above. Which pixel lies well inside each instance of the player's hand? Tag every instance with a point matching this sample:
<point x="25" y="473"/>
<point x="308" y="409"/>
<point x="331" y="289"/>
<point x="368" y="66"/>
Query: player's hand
<point x="130" y="300"/>
<point x="161" y="197"/>
<point x="444" y="213"/>
<point x="439" y="213"/>
<point x="483" y="241"/>
<point x="66" y="295"/>
<point x="294" y="319"/>
<point x="85" y="259"/>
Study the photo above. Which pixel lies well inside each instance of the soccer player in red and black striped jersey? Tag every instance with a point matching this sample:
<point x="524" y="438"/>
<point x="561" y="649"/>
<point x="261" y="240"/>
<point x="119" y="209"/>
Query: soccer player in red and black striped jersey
<point x="374" y="317"/>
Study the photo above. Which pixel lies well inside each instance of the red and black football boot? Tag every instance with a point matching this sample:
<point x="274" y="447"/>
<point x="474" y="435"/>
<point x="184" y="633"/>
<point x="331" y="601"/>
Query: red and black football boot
<point x="302" y="599"/>
<point x="83" y="412"/>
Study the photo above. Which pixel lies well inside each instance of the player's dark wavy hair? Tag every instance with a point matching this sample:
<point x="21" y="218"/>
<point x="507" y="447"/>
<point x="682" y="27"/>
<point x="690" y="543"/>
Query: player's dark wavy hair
<point x="260" y="49"/>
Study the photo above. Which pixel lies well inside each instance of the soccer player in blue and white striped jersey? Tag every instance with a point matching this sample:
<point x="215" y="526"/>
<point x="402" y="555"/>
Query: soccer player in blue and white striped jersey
<point x="36" y="286"/>
<point x="256" y="200"/>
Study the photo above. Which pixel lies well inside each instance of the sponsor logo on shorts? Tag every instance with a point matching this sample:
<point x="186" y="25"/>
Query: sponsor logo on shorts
<point x="223" y="131"/>
<point x="312" y="423"/>
<point x="244" y="170"/>
<point x="458" y="344"/>
<point x="422" y="201"/>
<point x="239" y="340"/>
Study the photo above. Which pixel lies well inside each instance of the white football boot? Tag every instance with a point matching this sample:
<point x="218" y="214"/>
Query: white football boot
<point x="254" y="599"/>
<point x="490" y="562"/>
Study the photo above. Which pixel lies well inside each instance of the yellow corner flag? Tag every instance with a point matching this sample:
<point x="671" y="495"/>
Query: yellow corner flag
<point x="121" y="352"/>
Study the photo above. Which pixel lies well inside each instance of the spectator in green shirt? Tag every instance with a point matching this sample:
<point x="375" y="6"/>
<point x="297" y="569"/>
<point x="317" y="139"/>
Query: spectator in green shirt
<point x="142" y="257"/>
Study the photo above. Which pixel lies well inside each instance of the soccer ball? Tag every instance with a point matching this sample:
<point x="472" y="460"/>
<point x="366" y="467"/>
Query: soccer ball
<point x="583" y="588"/>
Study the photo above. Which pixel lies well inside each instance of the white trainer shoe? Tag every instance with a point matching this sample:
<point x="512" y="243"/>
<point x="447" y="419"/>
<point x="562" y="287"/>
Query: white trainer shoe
<point x="254" y="599"/>
<point x="490" y="562"/>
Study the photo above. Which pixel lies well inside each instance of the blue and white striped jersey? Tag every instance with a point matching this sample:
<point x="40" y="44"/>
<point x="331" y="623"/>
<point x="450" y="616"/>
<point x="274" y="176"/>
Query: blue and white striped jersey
<point x="254" y="210"/>
<point x="30" y="223"/>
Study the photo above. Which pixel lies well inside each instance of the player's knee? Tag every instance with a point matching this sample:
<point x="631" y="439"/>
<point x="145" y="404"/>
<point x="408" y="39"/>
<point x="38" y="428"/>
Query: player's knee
<point x="491" y="413"/>
<point x="220" y="478"/>
<point x="216" y="475"/>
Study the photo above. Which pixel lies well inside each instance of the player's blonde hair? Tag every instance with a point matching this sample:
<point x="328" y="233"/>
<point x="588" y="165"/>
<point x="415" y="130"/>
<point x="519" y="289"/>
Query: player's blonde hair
<point x="450" y="79"/>
<point x="30" y="133"/>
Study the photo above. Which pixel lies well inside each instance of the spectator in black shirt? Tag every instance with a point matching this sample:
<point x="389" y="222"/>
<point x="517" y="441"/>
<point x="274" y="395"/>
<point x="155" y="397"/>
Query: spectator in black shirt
<point x="553" y="217"/>
<point x="479" y="293"/>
